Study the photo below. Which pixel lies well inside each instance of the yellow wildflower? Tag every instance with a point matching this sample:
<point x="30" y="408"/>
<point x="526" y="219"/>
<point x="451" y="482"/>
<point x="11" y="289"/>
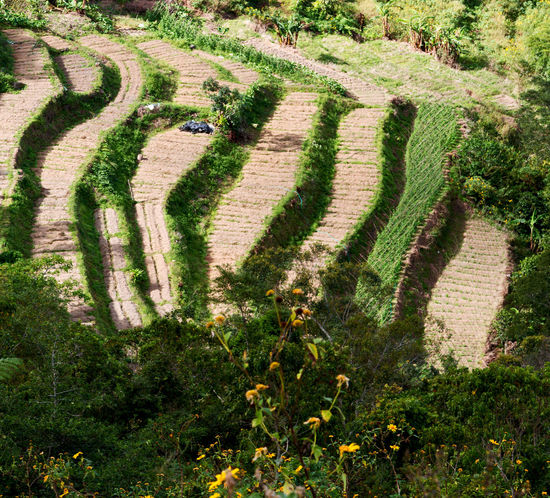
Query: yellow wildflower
<point x="492" y="441"/>
<point x="220" y="479"/>
<point x="518" y="461"/>
<point x="342" y="379"/>
<point x="306" y="312"/>
<point x="251" y="395"/>
<point x="297" y="323"/>
<point x="76" y="455"/>
<point x="394" y="447"/>
<point x="46" y="477"/>
<point x="298" y="469"/>
<point x="344" y="448"/>
<point x="270" y="292"/>
<point x="392" y="427"/>
<point x="314" y="422"/>
<point x="259" y="452"/>
<point x="261" y="387"/>
<point x="209" y="325"/>
<point x="274" y="365"/>
<point x="65" y="493"/>
<point x="220" y="319"/>
<point x="298" y="292"/>
<point x="215" y="495"/>
<point x="200" y="457"/>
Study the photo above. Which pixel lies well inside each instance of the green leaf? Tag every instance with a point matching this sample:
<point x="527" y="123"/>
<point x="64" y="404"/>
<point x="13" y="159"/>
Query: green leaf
<point x="8" y="367"/>
<point x="313" y="349"/>
<point x="317" y="453"/>
<point x="300" y="373"/>
<point x="326" y="414"/>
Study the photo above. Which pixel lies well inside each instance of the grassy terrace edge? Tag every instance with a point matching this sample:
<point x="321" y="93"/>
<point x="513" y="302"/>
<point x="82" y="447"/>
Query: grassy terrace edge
<point x="434" y="134"/>
<point x="193" y="202"/>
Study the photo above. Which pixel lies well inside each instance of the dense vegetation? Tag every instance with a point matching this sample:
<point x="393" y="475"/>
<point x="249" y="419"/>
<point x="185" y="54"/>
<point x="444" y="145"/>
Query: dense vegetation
<point x="294" y="395"/>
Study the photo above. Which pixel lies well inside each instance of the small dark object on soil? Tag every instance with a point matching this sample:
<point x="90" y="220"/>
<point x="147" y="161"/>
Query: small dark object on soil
<point x="197" y="127"/>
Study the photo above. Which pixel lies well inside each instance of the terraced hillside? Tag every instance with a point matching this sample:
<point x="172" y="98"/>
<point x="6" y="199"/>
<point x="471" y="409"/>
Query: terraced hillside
<point x="238" y="205"/>
<point x="17" y="109"/>
<point x="60" y="165"/>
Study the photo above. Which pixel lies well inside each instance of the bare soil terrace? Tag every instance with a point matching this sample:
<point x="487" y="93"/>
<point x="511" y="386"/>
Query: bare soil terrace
<point x="469" y="293"/>
<point x="61" y="164"/>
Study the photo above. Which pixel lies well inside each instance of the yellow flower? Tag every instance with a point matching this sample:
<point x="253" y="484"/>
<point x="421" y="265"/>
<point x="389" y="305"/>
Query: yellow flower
<point x="297" y="323"/>
<point x="314" y="422"/>
<point x="220" y="478"/>
<point x="46" y="477"/>
<point x="65" y="493"/>
<point x="220" y="319"/>
<point x="298" y="469"/>
<point x="259" y="452"/>
<point x="76" y="455"/>
<point x="392" y="427"/>
<point x="492" y="441"/>
<point x="274" y="365"/>
<point x="270" y="292"/>
<point x="200" y="457"/>
<point x="306" y="312"/>
<point x="251" y="395"/>
<point x="261" y="387"/>
<point x="518" y="461"/>
<point x="215" y="495"/>
<point x="394" y="447"/>
<point x="209" y="325"/>
<point x="298" y="292"/>
<point x="344" y="448"/>
<point x="342" y="379"/>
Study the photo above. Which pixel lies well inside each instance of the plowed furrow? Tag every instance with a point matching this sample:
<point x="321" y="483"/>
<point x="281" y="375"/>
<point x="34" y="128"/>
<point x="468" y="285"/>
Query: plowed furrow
<point x="166" y="157"/>
<point x="192" y="72"/>
<point x="79" y="72"/>
<point x="355" y="180"/>
<point x="467" y="296"/>
<point x="123" y="310"/>
<point x="245" y="75"/>
<point x="364" y="92"/>
<point x="266" y="179"/>
<point x="58" y="170"/>
<point x="16" y="109"/>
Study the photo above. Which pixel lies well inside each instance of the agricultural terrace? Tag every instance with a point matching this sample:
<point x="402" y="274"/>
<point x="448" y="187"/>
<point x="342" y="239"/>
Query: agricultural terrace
<point x="253" y="251"/>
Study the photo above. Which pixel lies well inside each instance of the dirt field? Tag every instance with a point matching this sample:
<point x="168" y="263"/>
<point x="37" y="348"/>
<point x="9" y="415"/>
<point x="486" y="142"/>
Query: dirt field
<point x="61" y="164"/>
<point x="469" y="293"/>
<point x="123" y="310"/>
<point x="267" y="177"/>
<point x="16" y="109"/>
<point x="166" y="157"/>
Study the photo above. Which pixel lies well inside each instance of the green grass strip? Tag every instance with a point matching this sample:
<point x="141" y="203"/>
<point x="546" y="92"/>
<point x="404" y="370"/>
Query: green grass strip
<point x="7" y="79"/>
<point x="435" y="133"/>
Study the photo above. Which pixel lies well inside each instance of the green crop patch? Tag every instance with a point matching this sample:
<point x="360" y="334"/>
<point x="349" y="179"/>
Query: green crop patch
<point x="434" y="134"/>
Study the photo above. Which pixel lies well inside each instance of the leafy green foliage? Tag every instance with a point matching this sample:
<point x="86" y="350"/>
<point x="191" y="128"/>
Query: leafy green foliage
<point x="7" y="80"/>
<point x="8" y="368"/>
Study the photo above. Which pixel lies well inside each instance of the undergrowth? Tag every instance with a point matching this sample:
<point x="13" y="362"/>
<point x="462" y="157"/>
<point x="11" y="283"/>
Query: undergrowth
<point x="7" y="79"/>
<point x="435" y="133"/>
<point x="193" y="201"/>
